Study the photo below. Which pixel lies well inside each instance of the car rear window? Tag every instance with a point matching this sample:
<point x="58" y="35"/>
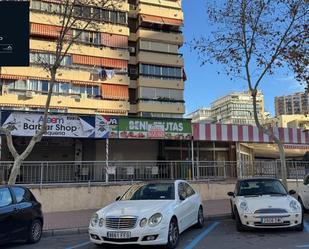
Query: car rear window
<point x="5" y="197"/>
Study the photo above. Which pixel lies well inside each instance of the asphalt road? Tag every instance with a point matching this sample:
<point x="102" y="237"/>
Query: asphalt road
<point x="215" y="235"/>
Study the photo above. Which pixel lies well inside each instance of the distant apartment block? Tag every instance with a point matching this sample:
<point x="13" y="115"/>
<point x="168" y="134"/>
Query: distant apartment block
<point x="297" y="103"/>
<point x="237" y="108"/>
<point x="234" y="108"/>
<point x="201" y="115"/>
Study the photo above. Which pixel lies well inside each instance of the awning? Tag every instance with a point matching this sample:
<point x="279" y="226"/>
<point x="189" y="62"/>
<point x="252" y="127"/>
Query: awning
<point x="118" y="92"/>
<point x="115" y="41"/>
<point x="45" y="30"/>
<point x="12" y="77"/>
<point x="161" y="20"/>
<point x="98" y="61"/>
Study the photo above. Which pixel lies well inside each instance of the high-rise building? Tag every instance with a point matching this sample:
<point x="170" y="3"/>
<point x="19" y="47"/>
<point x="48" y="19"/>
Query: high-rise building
<point x="297" y="103"/>
<point x="237" y="108"/>
<point x="155" y="66"/>
<point x="135" y="47"/>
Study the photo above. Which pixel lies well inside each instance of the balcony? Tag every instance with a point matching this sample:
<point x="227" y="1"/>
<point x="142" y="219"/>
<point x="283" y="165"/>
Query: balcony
<point x="173" y="38"/>
<point x="160" y="83"/>
<point x="164" y="3"/>
<point x="77" y="105"/>
<point x="162" y="107"/>
<point x="149" y="8"/>
<point x="64" y="74"/>
<point x="149" y="57"/>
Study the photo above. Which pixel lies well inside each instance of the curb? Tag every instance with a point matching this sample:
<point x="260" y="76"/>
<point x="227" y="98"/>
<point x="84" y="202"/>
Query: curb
<point x="64" y="231"/>
<point x="83" y="230"/>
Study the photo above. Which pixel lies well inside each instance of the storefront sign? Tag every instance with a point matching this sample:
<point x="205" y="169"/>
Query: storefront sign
<point x="28" y="124"/>
<point x="106" y="127"/>
<point x="142" y="128"/>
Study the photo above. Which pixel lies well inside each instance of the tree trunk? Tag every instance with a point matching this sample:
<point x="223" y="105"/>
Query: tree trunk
<point x="14" y="171"/>
<point x="37" y="137"/>
<point x="276" y="139"/>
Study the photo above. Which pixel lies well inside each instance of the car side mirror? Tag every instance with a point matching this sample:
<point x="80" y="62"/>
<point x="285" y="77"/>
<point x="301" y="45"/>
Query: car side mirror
<point x="231" y="194"/>
<point x="181" y="197"/>
<point x="118" y="198"/>
<point x="292" y="192"/>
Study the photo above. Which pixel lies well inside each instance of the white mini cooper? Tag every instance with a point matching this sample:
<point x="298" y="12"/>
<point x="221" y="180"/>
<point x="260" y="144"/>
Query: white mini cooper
<point x="265" y="203"/>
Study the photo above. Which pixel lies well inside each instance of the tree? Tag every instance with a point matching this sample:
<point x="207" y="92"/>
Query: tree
<point x="253" y="38"/>
<point x="75" y="17"/>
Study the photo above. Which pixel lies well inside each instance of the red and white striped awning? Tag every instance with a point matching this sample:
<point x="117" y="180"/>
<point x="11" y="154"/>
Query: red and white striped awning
<point x="245" y="133"/>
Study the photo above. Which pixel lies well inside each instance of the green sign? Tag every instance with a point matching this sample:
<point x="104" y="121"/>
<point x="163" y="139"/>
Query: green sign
<point x="147" y="128"/>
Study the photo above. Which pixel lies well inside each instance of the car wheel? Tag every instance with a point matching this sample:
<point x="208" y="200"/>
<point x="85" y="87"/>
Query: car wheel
<point x="305" y="210"/>
<point x="200" y="218"/>
<point x="173" y="234"/>
<point x="35" y="231"/>
<point x="239" y="225"/>
<point x="232" y="211"/>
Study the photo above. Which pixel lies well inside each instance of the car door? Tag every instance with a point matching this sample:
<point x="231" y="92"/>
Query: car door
<point x="183" y="208"/>
<point x="193" y="200"/>
<point x="23" y="211"/>
<point x="6" y="213"/>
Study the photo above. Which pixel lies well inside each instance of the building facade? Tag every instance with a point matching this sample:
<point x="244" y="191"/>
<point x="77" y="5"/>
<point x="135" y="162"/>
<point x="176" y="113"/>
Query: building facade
<point x="155" y="66"/>
<point x="237" y="108"/>
<point x="201" y="115"/>
<point x="128" y="65"/>
<point x="297" y="103"/>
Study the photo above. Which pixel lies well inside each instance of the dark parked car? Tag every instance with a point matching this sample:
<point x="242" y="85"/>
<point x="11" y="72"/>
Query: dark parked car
<point x="21" y="216"/>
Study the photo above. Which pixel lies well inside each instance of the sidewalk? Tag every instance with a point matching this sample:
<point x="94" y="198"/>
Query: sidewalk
<point x="79" y="220"/>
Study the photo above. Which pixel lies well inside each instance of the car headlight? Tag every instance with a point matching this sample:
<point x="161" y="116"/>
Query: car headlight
<point x="101" y="222"/>
<point x="155" y="219"/>
<point x="244" y="206"/>
<point x="294" y="206"/>
<point x="143" y="222"/>
<point x="94" y="219"/>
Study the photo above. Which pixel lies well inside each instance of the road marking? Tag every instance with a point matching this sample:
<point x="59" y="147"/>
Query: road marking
<point x="202" y="235"/>
<point x="303" y="246"/>
<point x="79" y="245"/>
<point x="306" y="226"/>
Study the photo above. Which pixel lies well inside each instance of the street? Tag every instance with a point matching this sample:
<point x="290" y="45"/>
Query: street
<point x="215" y="235"/>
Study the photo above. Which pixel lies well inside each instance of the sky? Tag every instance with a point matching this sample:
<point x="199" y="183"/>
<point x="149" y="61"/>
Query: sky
<point x="204" y="84"/>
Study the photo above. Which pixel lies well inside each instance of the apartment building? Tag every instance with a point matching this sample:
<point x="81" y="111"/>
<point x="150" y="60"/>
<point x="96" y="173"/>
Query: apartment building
<point x="201" y="115"/>
<point x="135" y="46"/>
<point x="237" y="108"/>
<point x="297" y="103"/>
<point x="155" y="66"/>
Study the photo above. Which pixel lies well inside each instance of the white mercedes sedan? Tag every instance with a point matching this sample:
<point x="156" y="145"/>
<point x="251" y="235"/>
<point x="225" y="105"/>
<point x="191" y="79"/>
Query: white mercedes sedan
<point x="152" y="213"/>
<point x="265" y="203"/>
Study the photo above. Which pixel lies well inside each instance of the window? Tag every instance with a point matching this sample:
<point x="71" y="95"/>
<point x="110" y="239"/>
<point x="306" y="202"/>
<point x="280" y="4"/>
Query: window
<point x="181" y="191"/>
<point x="5" y="197"/>
<point x="21" y="194"/>
<point x="163" y="72"/>
<point x="189" y="190"/>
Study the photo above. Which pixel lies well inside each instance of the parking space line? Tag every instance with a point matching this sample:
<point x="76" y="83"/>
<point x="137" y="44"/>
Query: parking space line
<point x="303" y="246"/>
<point x="78" y="245"/>
<point x="306" y="226"/>
<point x="202" y="235"/>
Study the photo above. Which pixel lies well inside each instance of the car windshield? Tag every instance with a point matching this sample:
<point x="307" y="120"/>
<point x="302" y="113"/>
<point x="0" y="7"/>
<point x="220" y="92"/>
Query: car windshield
<point x="150" y="191"/>
<point x="261" y="187"/>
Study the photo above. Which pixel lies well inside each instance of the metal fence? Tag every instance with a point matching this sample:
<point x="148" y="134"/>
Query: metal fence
<point x="117" y="171"/>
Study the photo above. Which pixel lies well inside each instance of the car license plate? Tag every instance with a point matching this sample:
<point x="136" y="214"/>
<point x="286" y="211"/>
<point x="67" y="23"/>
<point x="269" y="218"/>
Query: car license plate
<point x="272" y="220"/>
<point x="119" y="235"/>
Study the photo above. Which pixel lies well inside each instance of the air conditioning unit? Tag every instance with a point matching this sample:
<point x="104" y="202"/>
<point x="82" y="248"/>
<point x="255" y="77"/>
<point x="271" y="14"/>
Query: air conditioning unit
<point x="30" y="94"/>
<point x="84" y="95"/>
<point x="132" y="50"/>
